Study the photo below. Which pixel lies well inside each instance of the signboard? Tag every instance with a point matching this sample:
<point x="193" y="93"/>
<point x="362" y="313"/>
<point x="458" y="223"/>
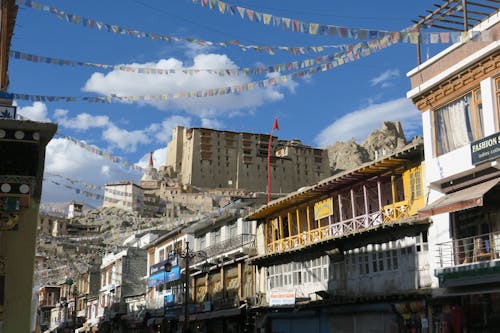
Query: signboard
<point x="282" y="297"/>
<point x="164" y="277"/>
<point x="160" y="267"/>
<point x="8" y="112"/>
<point x="168" y="299"/>
<point x="323" y="208"/>
<point x="485" y="149"/>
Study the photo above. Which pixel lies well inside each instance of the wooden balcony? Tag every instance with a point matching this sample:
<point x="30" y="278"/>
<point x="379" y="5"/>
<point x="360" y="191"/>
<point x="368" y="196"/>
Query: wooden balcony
<point x="396" y="211"/>
<point x="338" y="229"/>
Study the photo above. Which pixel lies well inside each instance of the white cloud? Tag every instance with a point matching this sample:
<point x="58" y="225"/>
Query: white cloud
<point x="123" y="139"/>
<point x="359" y="123"/>
<point x="163" y="131"/>
<point x="384" y="78"/>
<point x="66" y="159"/>
<point x="37" y="112"/>
<point x="159" y="157"/>
<point x="211" y="123"/>
<point x="82" y="121"/>
<point x="133" y="84"/>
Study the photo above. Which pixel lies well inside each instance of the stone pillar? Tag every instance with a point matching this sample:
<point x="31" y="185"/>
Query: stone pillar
<point x="22" y="156"/>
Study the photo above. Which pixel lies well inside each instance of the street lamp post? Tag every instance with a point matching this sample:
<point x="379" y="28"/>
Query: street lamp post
<point x="186" y="254"/>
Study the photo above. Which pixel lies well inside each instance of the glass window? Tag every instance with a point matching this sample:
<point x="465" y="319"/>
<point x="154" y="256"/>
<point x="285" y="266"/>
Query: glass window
<point x="497" y="90"/>
<point x="459" y="123"/>
<point x="395" y="259"/>
<point x="216" y="236"/>
<point x="233" y="228"/>
<point x="381" y="261"/>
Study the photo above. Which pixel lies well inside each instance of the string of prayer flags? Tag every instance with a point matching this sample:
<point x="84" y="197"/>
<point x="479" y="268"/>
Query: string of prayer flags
<point x="76" y="181"/>
<point x="357" y="51"/>
<point x="77" y="190"/>
<point x="102" y="153"/>
<point x="102" y="26"/>
<point x="408" y="35"/>
<point x="190" y="71"/>
<point x="294" y="25"/>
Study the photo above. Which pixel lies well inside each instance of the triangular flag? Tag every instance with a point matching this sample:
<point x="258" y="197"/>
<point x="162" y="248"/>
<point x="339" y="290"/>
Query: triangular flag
<point x="275" y="124"/>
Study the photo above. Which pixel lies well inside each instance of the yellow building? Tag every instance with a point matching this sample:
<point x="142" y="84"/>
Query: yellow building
<point x="346" y="253"/>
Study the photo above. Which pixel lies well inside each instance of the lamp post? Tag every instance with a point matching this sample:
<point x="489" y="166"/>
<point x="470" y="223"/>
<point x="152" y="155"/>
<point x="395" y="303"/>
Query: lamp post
<point x="186" y="254"/>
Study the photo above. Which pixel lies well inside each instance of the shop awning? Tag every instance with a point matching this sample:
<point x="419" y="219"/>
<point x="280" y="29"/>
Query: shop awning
<point x="213" y="314"/>
<point x="467" y="198"/>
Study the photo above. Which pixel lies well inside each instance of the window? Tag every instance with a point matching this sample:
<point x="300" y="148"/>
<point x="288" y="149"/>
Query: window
<point x="459" y="122"/>
<point x="216" y="236"/>
<point x="233" y="228"/>
<point x="202" y="242"/>
<point x="416" y="184"/>
<point x="497" y="91"/>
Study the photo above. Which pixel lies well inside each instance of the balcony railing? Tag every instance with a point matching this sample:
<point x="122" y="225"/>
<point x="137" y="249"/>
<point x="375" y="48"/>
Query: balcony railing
<point x="396" y="211"/>
<point x="240" y="241"/>
<point x="348" y="226"/>
<point x="469" y="250"/>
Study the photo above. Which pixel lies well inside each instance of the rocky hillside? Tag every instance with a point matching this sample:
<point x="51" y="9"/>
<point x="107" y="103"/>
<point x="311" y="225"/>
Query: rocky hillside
<point x="349" y="154"/>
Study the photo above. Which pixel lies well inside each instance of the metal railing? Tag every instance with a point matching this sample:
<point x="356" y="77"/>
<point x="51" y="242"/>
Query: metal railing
<point x="469" y="250"/>
<point x="241" y="240"/>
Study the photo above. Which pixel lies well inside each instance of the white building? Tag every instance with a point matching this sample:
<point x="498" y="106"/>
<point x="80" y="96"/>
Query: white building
<point x="125" y="195"/>
<point x="458" y="93"/>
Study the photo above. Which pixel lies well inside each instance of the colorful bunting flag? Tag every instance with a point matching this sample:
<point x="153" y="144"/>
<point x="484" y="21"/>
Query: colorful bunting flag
<point x="101" y="26"/>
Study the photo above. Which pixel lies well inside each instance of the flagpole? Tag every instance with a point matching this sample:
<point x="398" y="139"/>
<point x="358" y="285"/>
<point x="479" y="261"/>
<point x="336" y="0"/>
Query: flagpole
<point x="275" y="126"/>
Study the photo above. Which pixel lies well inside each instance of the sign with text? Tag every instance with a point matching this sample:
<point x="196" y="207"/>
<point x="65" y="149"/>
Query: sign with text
<point x="164" y="277"/>
<point x="169" y="298"/>
<point x="485" y="149"/>
<point x="282" y="297"/>
<point x="160" y="267"/>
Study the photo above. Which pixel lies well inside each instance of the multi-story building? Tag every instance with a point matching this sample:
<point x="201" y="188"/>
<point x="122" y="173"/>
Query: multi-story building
<point x="48" y="298"/>
<point x="458" y="93"/>
<point x="223" y="281"/>
<point x="211" y="158"/>
<point x="87" y="287"/>
<point x="122" y="275"/>
<point x="75" y="209"/>
<point x="50" y="225"/>
<point x="164" y="284"/>
<point x="125" y="195"/>
<point x="348" y="254"/>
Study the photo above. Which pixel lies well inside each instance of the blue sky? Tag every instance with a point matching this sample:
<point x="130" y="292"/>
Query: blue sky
<point x="347" y="102"/>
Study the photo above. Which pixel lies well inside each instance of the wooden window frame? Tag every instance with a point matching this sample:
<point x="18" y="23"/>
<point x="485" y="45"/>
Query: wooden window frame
<point x="474" y="122"/>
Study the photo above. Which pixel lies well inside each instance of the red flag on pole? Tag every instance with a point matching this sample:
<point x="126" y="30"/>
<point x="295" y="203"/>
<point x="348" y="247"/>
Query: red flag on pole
<point x="275" y="124"/>
<point x="275" y="127"/>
